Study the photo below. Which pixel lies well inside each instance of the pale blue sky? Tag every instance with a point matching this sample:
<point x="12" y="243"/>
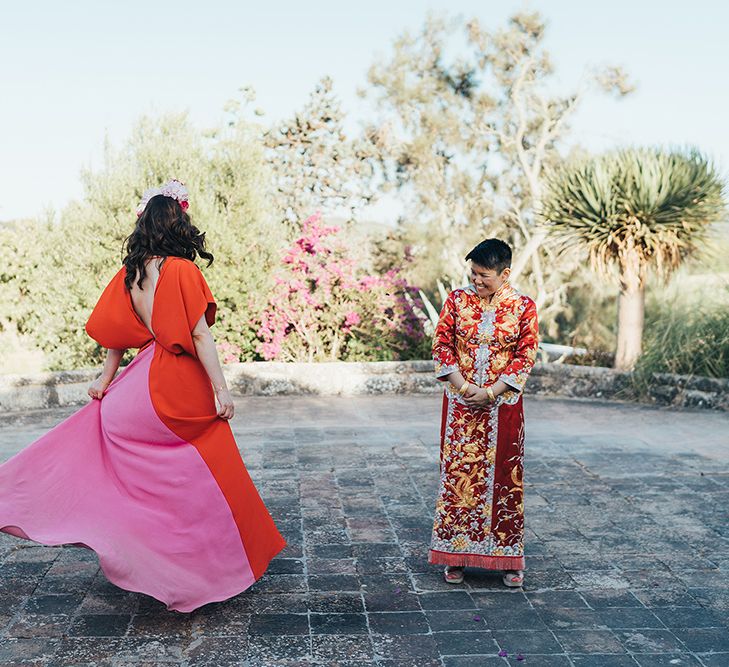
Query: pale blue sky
<point x="74" y="72"/>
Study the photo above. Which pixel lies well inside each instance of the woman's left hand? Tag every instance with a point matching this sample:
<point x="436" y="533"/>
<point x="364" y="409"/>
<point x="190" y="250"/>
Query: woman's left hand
<point x="226" y="407"/>
<point x="478" y="397"/>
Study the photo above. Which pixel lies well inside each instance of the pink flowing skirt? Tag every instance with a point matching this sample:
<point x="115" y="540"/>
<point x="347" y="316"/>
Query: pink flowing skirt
<point x="114" y="478"/>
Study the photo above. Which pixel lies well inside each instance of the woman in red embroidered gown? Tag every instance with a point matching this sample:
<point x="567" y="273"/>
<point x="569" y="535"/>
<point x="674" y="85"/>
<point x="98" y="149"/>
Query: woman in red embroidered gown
<point x="149" y="475"/>
<point x="484" y="347"/>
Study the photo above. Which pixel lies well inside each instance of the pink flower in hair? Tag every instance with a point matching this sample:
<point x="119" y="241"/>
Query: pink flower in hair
<point x="174" y="189"/>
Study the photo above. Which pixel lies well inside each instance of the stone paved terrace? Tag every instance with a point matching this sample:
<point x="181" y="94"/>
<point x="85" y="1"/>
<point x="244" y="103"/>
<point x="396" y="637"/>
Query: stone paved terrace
<point x="628" y="550"/>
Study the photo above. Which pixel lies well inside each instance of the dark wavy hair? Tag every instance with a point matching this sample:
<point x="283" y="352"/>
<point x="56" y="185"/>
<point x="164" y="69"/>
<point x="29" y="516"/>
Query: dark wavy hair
<point x="164" y="229"/>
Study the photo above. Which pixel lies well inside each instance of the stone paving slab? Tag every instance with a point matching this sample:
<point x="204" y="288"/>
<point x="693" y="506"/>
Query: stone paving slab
<point x="627" y="550"/>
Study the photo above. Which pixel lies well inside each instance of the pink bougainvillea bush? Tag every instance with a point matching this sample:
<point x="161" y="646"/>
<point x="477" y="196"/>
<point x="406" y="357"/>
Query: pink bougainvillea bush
<point x="323" y="307"/>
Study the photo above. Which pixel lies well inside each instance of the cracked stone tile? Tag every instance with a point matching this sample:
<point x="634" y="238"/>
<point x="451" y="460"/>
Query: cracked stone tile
<point x="527" y="641"/>
<point x="589" y="641"/>
<point x="406" y="650"/>
<point x="162" y="624"/>
<point x="599" y="580"/>
<point x="691" y="617"/>
<point x="704" y="640"/>
<point x="39" y="625"/>
<point x="32" y="652"/>
<point x="216" y="650"/>
<point x="335" y="602"/>
<point x="603" y="660"/>
<point x="279" y="624"/>
<point x="83" y="650"/>
<point x="568" y="618"/>
<point x="405" y="623"/>
<point x="53" y="604"/>
<point x="650" y="641"/>
<point x="667" y="660"/>
<point x="335" y="649"/>
<point x="539" y="661"/>
<point x="279" y="650"/>
<point x="100" y="625"/>
<point x="338" y="624"/>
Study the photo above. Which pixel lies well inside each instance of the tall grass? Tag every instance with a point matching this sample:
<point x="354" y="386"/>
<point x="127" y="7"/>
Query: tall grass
<point x="687" y="327"/>
<point x="687" y="340"/>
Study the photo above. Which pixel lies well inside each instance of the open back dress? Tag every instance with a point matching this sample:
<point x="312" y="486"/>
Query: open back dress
<point x="149" y="477"/>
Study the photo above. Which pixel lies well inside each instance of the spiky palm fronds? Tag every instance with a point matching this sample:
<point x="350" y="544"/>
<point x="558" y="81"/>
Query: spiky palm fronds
<point x="646" y="206"/>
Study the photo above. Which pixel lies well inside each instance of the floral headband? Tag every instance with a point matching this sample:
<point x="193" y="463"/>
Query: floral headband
<point x="174" y="189"/>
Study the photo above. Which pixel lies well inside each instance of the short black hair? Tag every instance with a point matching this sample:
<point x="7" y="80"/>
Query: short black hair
<point x="491" y="254"/>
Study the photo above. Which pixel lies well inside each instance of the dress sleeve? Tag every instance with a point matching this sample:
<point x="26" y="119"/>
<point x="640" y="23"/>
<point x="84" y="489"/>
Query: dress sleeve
<point x="112" y="323"/>
<point x="182" y="299"/>
<point x="444" y="340"/>
<point x="517" y="372"/>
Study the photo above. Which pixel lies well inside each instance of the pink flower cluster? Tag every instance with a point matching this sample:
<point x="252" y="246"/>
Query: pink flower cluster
<point x="229" y="352"/>
<point x="322" y="306"/>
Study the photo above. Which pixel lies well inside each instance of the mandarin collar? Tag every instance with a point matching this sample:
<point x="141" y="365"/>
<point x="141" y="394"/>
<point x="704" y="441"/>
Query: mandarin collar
<point x="498" y="296"/>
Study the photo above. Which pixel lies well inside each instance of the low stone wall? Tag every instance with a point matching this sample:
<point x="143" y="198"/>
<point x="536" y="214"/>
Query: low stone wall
<point x="690" y="392"/>
<point x="335" y="378"/>
<point x="44" y="390"/>
<point x="680" y="391"/>
<point x="68" y="388"/>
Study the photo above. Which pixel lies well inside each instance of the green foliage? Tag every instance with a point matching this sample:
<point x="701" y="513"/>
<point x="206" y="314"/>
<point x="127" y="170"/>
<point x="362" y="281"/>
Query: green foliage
<point x="689" y="342"/>
<point x="247" y="184"/>
<point x="53" y="272"/>
<point x="56" y="280"/>
<point x="688" y="336"/>
<point x="314" y="165"/>
<point x="410" y="248"/>
<point x="631" y="210"/>
<point x="589" y="319"/>
<point x="686" y="328"/>
<point x="654" y="205"/>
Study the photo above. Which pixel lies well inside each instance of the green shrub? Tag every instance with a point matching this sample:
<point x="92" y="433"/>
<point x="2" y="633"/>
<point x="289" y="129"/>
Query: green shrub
<point x="53" y="271"/>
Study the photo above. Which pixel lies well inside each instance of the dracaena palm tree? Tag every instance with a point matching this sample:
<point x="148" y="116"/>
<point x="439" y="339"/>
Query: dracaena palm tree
<point x="632" y="210"/>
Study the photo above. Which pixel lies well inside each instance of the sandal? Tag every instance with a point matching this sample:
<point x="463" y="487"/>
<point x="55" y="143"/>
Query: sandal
<point x="453" y="575"/>
<point x="513" y="578"/>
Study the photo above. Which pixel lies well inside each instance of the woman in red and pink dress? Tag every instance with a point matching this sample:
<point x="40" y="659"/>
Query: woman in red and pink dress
<point x="148" y="474"/>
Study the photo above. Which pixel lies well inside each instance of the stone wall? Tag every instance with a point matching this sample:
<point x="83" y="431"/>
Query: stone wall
<point x="44" y="390"/>
<point x="28" y="392"/>
<point x="681" y="391"/>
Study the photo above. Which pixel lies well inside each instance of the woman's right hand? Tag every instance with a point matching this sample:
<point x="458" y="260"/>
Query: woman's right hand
<point x="477" y="397"/>
<point x="226" y="408"/>
<point x="97" y="388"/>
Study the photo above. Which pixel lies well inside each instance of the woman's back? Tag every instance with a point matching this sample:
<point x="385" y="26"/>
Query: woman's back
<point x="143" y="298"/>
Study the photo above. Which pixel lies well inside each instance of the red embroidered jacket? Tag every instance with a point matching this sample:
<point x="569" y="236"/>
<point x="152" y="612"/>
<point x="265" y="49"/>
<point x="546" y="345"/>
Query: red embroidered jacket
<point x="487" y="342"/>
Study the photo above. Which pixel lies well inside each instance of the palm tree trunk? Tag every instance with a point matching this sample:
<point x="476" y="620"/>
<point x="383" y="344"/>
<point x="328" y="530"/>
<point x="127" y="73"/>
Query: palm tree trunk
<point x="631" y="313"/>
